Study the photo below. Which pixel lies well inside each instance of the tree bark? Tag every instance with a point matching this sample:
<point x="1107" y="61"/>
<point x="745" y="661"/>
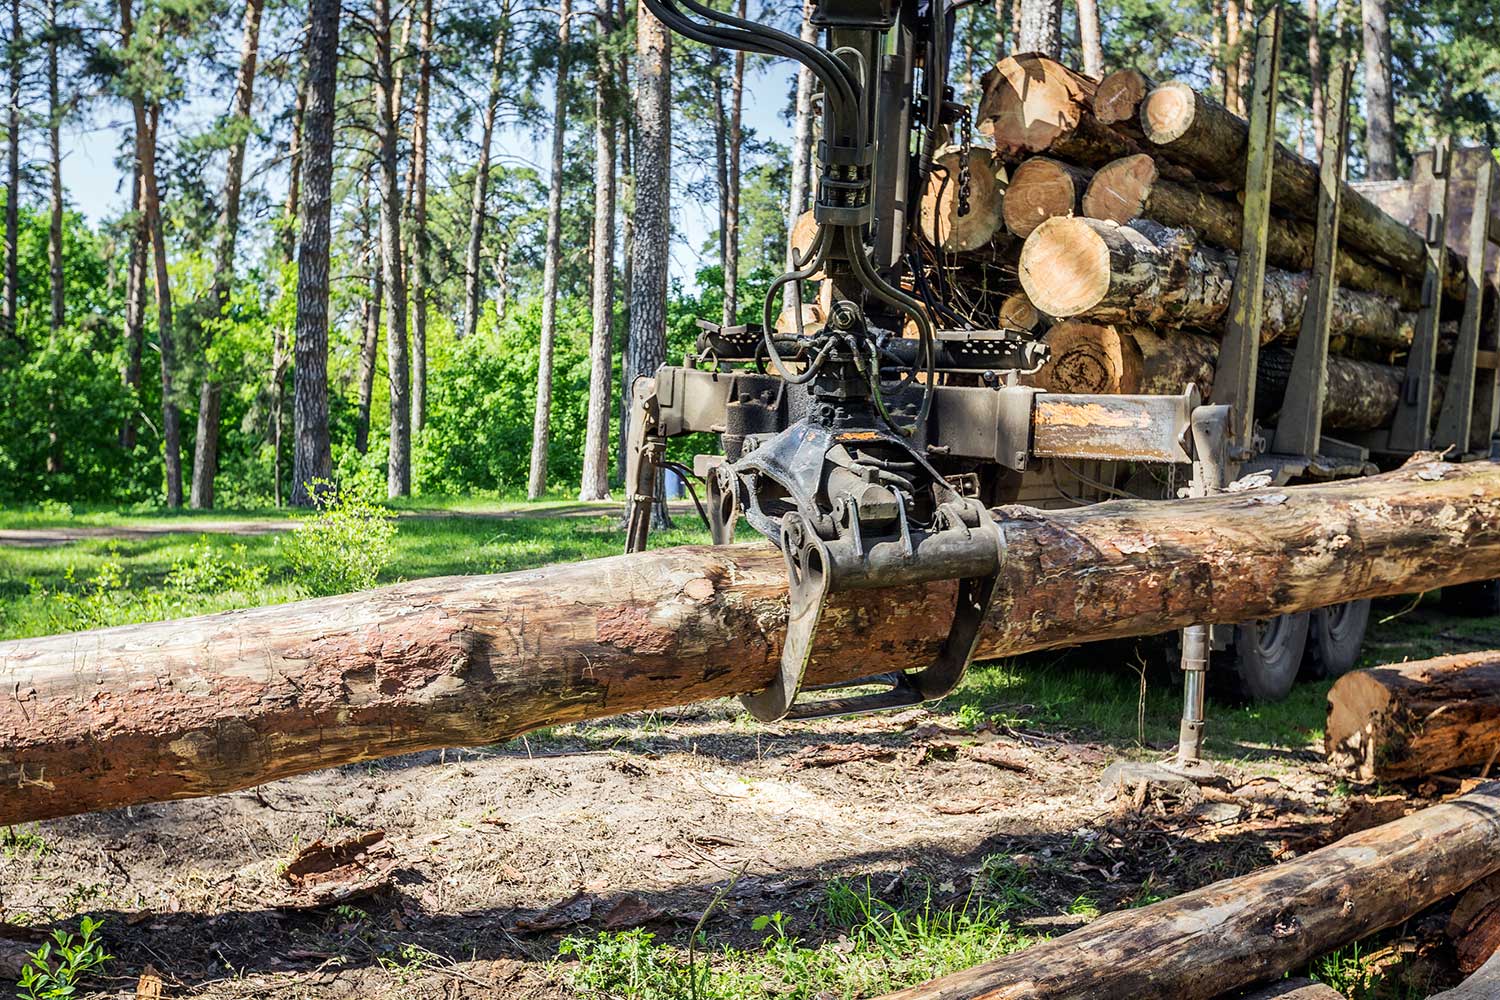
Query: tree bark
<point x="472" y="283"/>
<point x="393" y="271"/>
<point x="1150" y="274"/>
<point x="1232" y="46"/>
<point x="369" y="345"/>
<point x="312" y="458"/>
<point x="288" y="241"/>
<point x="1380" y="112"/>
<point x="1132" y="188"/>
<point x="1198" y="133"/>
<point x="1315" y="78"/>
<point x="147" y="119"/>
<point x="1042" y="188"/>
<point x="14" y="50"/>
<point x="1484" y="984"/>
<point x="627" y="239"/>
<point x="135" y="302"/>
<point x="1409" y="720"/>
<point x="419" y="236"/>
<point x="541" y="423"/>
<point x="732" y="202"/>
<point x="54" y="174"/>
<point x="243" y="697"/>
<point x="1088" y="38"/>
<point x="206" y="441"/>
<point x="647" y="348"/>
<point x="1295" y="989"/>
<point x="1236" y="931"/>
<point x="1041" y="27"/>
<point x="595" y="485"/>
<point x="801" y="140"/>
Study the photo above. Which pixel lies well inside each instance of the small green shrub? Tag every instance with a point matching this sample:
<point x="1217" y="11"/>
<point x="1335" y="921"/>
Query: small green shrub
<point x="208" y="569"/>
<point x="54" y="970"/>
<point x="344" y="547"/>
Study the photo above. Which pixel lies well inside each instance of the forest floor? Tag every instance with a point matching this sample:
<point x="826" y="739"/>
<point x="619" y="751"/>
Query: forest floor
<point x="826" y="860"/>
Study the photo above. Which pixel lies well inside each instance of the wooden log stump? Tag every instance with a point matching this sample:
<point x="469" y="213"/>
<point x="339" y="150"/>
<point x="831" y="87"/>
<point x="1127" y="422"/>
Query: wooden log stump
<point x="1409" y="720"/>
<point x="173" y="710"/>
<point x="1240" y="930"/>
<point x="1133" y="187"/>
<point x="1042" y="188"/>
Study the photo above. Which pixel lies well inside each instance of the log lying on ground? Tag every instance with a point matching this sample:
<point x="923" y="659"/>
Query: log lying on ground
<point x="938" y="215"/>
<point x="1474" y="924"/>
<point x="1295" y="989"/>
<point x="1408" y="720"/>
<point x="1100" y="358"/>
<point x="1241" y="930"/>
<point x="1042" y="188"/>
<point x="1148" y="273"/>
<point x="1197" y="132"/>
<point x="1132" y="188"/>
<point x="174" y="710"/>
<point x="1482" y="985"/>
<point x="1118" y="97"/>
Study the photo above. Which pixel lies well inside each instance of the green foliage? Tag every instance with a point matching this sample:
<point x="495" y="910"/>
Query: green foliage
<point x="55" y="969"/>
<point x="209" y="569"/>
<point x="343" y="547"/>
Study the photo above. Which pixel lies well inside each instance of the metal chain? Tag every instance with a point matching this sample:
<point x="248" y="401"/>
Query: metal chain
<point x="965" y="141"/>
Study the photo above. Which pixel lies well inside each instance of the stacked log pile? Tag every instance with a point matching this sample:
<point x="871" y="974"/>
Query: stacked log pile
<point x="1112" y="210"/>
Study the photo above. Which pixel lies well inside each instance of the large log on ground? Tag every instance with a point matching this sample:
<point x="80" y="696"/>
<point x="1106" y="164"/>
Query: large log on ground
<point x="174" y="710"/>
<point x="1132" y="187"/>
<point x="1242" y="930"/>
<point x="1042" y="188"/>
<point x="1408" y="720"/>
<point x="1092" y="357"/>
<point x="1295" y="989"/>
<point x="1149" y="273"/>
<point x="1482" y="985"/>
<point x="1199" y="133"/>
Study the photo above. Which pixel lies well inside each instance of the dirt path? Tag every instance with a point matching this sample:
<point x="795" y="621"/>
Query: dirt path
<point x="37" y="538"/>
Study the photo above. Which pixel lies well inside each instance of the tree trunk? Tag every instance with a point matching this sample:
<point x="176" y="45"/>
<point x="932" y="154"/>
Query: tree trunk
<point x="1041" y="27"/>
<point x="147" y="120"/>
<point x="1315" y="78"/>
<point x="1033" y="104"/>
<point x="627" y="238"/>
<point x="369" y="345"/>
<point x="1232" y="46"/>
<point x="801" y="137"/>
<point x="1132" y="188"/>
<point x="647" y="348"/>
<point x="1088" y="38"/>
<point x="1200" y="134"/>
<point x="472" y="283"/>
<point x="1119" y="95"/>
<point x="1150" y="274"/>
<point x="14" y="50"/>
<point x="54" y="174"/>
<point x="1409" y="720"/>
<point x="1482" y="985"/>
<point x="312" y="458"/>
<point x="243" y="697"/>
<point x="393" y="271"/>
<point x="206" y="442"/>
<point x="1474" y="924"/>
<point x="732" y="205"/>
<point x="419" y="237"/>
<point x="1239" y="930"/>
<point x="135" y="302"/>
<point x="541" y="422"/>
<point x="288" y="240"/>
<point x="1042" y="188"/>
<point x="1380" y="113"/>
<point x="595" y="485"/>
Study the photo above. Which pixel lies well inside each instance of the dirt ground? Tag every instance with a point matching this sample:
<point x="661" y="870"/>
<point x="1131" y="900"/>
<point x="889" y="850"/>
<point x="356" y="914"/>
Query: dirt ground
<point x="488" y="858"/>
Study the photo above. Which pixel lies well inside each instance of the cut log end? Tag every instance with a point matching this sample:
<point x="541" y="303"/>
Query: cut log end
<point x="1119" y="96"/>
<point x="1017" y="313"/>
<point x="1065" y="267"/>
<point x="1030" y="101"/>
<point x="1042" y="189"/>
<point x="941" y="223"/>
<point x="1085" y="357"/>
<point x="1167" y="112"/>
<point x="1120" y="189"/>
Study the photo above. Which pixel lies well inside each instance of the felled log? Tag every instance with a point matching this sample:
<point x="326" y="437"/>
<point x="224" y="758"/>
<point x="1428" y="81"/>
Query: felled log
<point x="173" y="710"/>
<point x="1408" y="720"/>
<point x="1033" y="104"/>
<point x="1474" y="924"/>
<point x="1241" y="930"/>
<point x="1197" y="132"/>
<point x="1118" y="97"/>
<point x="938" y="215"/>
<point x="1295" y="989"/>
<point x="1101" y="358"/>
<point x="1017" y="313"/>
<point x="1484" y="984"/>
<point x="1042" y="188"/>
<point x="1148" y="273"/>
<point x="1133" y="187"/>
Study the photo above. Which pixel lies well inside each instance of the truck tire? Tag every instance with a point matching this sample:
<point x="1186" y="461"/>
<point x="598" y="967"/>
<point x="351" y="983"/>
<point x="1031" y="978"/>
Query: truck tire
<point x="1480" y="599"/>
<point x="1335" y="636"/>
<point x="1263" y="662"/>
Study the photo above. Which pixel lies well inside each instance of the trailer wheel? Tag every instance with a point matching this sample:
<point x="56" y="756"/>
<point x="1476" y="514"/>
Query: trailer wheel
<point x="1480" y="599"/>
<point x="1262" y="664"/>
<point x="1335" y="636"/>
